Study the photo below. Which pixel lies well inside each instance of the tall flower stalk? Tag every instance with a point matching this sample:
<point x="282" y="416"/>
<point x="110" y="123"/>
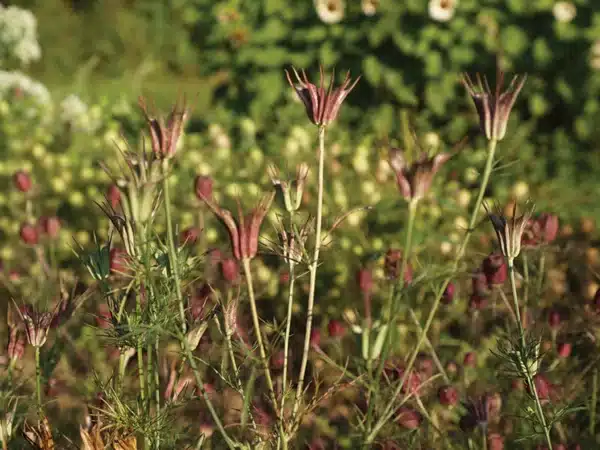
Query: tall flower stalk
<point x="322" y="107"/>
<point x="493" y="109"/>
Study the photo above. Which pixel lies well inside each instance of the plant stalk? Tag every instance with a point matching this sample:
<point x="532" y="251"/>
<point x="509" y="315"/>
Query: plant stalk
<point x="313" y="274"/>
<point x="388" y="411"/>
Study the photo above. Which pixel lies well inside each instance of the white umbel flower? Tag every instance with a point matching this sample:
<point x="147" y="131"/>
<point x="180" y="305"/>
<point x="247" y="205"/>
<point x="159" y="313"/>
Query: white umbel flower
<point x="564" y="11"/>
<point x="330" y="11"/>
<point x="15" y="80"/>
<point x="442" y="10"/>
<point x="18" y="35"/>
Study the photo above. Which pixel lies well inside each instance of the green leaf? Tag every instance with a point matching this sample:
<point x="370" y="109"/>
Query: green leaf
<point x="372" y="70"/>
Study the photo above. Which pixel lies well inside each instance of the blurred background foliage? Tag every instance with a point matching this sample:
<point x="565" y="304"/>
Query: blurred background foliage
<point x="229" y="57"/>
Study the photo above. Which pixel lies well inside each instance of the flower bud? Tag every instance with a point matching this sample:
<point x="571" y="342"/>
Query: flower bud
<point x="542" y="386"/>
<point x="51" y="226"/>
<point x="549" y="225"/>
<point x="495" y="269"/>
<point x="480" y="284"/>
<point x="408" y="418"/>
<point x="448" y="295"/>
<point x="554" y="319"/>
<point x="230" y="270"/>
<point x="336" y="329"/>
<point x="29" y="234"/>
<point x="22" y="181"/>
<point x="189" y="236"/>
<point x="448" y="395"/>
<point x="203" y="187"/>
<point x="564" y="349"/>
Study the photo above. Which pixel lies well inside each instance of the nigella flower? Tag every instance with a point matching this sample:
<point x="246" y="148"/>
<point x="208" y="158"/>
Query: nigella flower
<point x="414" y="180"/>
<point x="330" y="11"/>
<point x="494" y="107"/>
<point x="37" y="323"/>
<point x="244" y="232"/>
<point x="165" y="134"/>
<point x="322" y="105"/>
<point x="442" y="10"/>
<point x="509" y="231"/>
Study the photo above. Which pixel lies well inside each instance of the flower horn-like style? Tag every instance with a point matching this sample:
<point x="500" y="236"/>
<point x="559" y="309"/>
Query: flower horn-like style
<point x="414" y="180"/>
<point x="494" y="107"/>
<point x="243" y="233"/>
<point x="165" y="134"/>
<point x="322" y="105"/>
<point x="509" y="231"/>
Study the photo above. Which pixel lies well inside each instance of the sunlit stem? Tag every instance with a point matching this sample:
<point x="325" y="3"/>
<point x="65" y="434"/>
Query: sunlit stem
<point x="313" y="274"/>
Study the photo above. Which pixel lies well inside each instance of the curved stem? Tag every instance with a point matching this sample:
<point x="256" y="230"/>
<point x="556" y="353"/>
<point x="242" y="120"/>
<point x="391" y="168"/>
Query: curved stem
<point x="388" y="411"/>
<point x="313" y="274"/>
<point x="173" y="262"/>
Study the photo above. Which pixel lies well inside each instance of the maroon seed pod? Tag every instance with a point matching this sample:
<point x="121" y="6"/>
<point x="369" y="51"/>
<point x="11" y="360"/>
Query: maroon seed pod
<point x="103" y="316"/>
<point x="448" y="295"/>
<point x="549" y="225"/>
<point x="51" y="226"/>
<point x="336" y="329"/>
<point x="29" y="234"/>
<point x="203" y="186"/>
<point x="278" y="360"/>
<point x="425" y="365"/>
<point x="284" y="277"/>
<point x="596" y="301"/>
<point x="392" y="264"/>
<point x="451" y="368"/>
<point x="408" y="418"/>
<point x="448" y="395"/>
<point x="477" y="302"/>
<point x="113" y="195"/>
<point x="230" y="270"/>
<point x="22" y="181"/>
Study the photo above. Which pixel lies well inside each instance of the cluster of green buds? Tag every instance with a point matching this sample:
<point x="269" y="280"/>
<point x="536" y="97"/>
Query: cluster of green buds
<point x="292" y="190"/>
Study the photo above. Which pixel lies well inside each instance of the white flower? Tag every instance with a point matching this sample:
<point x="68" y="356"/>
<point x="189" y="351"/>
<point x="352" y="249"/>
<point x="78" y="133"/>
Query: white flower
<point x="564" y="11"/>
<point x="369" y="7"/>
<point x="18" y="35"/>
<point x="442" y="10"/>
<point x="330" y="11"/>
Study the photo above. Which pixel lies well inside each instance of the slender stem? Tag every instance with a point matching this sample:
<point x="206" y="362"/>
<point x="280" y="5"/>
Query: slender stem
<point x="388" y="411"/>
<point x="484" y="445"/>
<point x="38" y="379"/>
<point x="258" y="332"/>
<point x="525" y="365"/>
<point x="157" y="387"/>
<point x="313" y="274"/>
<point x="541" y="273"/>
<point x="200" y="383"/>
<point x="288" y="326"/>
<point x="594" y="401"/>
<point x="434" y="355"/>
<point x="173" y="262"/>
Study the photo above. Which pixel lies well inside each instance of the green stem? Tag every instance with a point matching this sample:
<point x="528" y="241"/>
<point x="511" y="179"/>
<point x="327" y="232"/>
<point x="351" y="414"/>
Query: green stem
<point x="258" y="332"/>
<point x="173" y="262"/>
<point x="288" y="326"/>
<point x="389" y="409"/>
<point x="157" y="387"/>
<point x="313" y="274"/>
<point x="528" y="376"/>
<point x="541" y="274"/>
<point x="38" y="379"/>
